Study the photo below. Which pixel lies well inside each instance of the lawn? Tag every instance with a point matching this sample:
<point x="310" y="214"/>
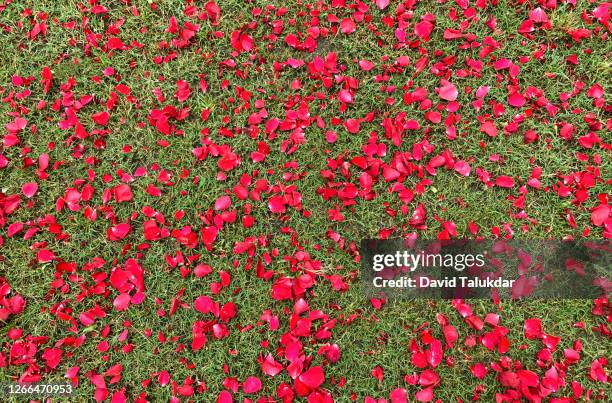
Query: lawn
<point x="184" y="186"/>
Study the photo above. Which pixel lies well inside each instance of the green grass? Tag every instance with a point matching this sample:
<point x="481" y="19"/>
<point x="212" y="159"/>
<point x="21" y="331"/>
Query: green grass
<point x="361" y="342"/>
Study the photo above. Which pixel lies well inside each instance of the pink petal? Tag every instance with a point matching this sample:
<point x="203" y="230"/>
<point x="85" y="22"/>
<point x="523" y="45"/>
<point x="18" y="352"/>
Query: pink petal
<point x="223" y="203"/>
<point x="270" y="367"/>
<point x="13" y="229"/>
<point x="450" y="335"/>
<point x="251" y="385"/>
<point x="398" y="395"/>
<point x="45" y="256"/>
<point x="347" y="26"/>
<point x="479" y="370"/>
<point x="163" y="378"/>
<point x="345" y="96"/>
<point x="29" y="189"/>
<point x="382" y="4"/>
<point x="423" y="30"/>
<point x="482" y="91"/>
<point x="313" y="377"/>
<point x="526" y="27"/>
<point x="489" y="128"/>
<point x="122" y="301"/>
<point x="462" y="168"/>
<point x="532" y="328"/>
<point x="123" y="193"/>
<point x="225" y="397"/>
<point x="390" y="174"/>
<point x="412" y="125"/>
<point x="276" y="204"/>
<point x="119" y="231"/>
<point x="366" y="65"/>
<point x="204" y="304"/>
<point x="516" y="99"/>
<point x="100" y="118"/>
<point x="3" y="161"/>
<point x="600" y="214"/>
<point x="596" y="91"/>
<point x="434" y="354"/>
<point x="597" y="372"/>
<point x="352" y="125"/>
<point x="538" y="15"/>
<point x="504" y="181"/>
<point x="425" y="395"/>
<point x="448" y="92"/>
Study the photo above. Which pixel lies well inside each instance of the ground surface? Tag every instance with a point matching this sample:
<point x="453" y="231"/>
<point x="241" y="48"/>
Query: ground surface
<point x="183" y="187"/>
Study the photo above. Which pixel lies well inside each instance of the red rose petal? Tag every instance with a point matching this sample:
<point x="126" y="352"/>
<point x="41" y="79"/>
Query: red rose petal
<point x="504" y="181"/>
<point x="251" y="385"/>
<point x="29" y="189"/>
<point x="425" y="395"/>
<point x="382" y="4"/>
<point x="313" y="377"/>
<point x="448" y="92"/>
<point x="600" y="214"/>
<point x="122" y="302"/>
<point x="516" y="99"/>
<point x="347" y="26"/>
